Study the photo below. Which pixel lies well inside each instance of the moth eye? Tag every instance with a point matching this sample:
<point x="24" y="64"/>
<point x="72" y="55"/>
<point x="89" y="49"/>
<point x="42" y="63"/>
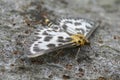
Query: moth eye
<point x="79" y="41"/>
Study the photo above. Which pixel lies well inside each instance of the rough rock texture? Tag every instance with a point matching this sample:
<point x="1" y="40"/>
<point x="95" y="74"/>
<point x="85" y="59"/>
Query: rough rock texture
<point x="20" y="18"/>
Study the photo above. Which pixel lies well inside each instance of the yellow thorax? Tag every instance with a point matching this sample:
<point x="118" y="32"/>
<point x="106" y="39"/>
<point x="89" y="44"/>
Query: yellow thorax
<point x="79" y="39"/>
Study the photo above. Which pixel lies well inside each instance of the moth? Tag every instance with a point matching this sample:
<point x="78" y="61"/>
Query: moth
<point x="67" y="32"/>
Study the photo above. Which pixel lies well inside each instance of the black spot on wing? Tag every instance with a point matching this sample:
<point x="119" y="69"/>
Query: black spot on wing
<point x="62" y="40"/>
<point x="88" y="27"/>
<point x="91" y="23"/>
<point x="77" y="23"/>
<point x="60" y="37"/>
<point x="68" y="39"/>
<point x="45" y="33"/>
<point x="36" y="44"/>
<point x="35" y="39"/>
<point x="79" y="30"/>
<point x="36" y="49"/>
<point x="38" y="30"/>
<point x="60" y="44"/>
<point x="65" y="27"/>
<point x="38" y="37"/>
<point x="51" y="45"/>
<point x="87" y="30"/>
<point x="36" y="33"/>
<point x="68" y="22"/>
<point x="49" y="30"/>
<point x="48" y="38"/>
<point x="56" y="28"/>
<point x="39" y="42"/>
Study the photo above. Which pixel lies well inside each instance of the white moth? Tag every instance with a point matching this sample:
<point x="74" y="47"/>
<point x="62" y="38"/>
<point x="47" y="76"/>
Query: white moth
<point x="58" y="36"/>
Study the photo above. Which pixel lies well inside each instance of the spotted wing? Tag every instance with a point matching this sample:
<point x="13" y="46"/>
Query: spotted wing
<point x="57" y="37"/>
<point x="48" y="39"/>
<point x="78" y="26"/>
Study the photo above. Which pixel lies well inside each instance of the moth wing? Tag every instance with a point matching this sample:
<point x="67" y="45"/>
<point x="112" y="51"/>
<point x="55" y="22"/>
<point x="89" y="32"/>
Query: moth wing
<point x="48" y="40"/>
<point x="78" y="26"/>
<point x="58" y="37"/>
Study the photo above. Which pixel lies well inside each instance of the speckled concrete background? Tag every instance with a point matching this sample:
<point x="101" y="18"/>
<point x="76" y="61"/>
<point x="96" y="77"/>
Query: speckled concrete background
<point x="20" y="18"/>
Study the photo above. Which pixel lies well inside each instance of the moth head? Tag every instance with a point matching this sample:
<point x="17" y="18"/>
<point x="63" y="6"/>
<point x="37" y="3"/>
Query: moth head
<point x="79" y="39"/>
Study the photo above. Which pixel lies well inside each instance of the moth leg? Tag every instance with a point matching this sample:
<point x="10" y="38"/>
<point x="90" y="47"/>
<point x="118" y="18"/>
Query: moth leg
<point x="79" y="39"/>
<point x="59" y="52"/>
<point x="76" y="56"/>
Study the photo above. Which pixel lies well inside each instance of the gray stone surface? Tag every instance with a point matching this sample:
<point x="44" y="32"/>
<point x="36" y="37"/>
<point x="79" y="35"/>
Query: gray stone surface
<point x="16" y="33"/>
